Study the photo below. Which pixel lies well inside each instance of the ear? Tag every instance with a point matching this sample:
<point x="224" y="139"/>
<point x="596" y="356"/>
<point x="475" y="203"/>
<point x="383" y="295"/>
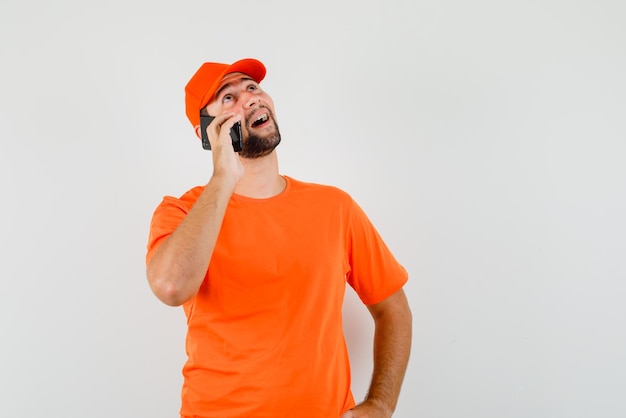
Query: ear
<point x="198" y="132"/>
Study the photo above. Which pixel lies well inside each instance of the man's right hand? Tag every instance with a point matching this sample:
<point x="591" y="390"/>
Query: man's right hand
<point x="225" y="160"/>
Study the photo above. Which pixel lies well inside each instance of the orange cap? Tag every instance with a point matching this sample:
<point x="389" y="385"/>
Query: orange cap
<point x="200" y="89"/>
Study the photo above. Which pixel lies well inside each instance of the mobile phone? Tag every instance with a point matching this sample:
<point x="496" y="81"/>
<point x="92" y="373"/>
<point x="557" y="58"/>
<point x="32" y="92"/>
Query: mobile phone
<point x="235" y="133"/>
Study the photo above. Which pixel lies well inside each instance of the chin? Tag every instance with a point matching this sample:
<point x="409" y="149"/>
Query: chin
<point x="256" y="146"/>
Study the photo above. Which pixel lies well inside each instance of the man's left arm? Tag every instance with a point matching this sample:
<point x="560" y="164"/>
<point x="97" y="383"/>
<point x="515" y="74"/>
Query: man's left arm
<point x="392" y="346"/>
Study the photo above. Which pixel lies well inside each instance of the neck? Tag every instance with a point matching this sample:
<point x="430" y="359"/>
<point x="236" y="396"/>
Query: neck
<point x="260" y="177"/>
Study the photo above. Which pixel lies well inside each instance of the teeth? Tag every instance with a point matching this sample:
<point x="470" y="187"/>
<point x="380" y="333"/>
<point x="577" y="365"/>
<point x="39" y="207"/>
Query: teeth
<point x="260" y="120"/>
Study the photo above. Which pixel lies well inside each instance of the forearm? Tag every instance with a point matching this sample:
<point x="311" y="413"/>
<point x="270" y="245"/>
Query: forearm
<point x="178" y="267"/>
<point x="392" y="346"/>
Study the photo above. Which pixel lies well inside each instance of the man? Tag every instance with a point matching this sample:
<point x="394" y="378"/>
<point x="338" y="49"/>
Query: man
<point x="259" y="262"/>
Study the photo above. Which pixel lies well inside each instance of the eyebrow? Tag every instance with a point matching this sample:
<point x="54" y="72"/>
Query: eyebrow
<point x="225" y="86"/>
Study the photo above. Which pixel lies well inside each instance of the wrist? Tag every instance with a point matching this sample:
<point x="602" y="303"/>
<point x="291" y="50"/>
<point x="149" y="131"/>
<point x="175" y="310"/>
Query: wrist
<point x="381" y="405"/>
<point x="224" y="179"/>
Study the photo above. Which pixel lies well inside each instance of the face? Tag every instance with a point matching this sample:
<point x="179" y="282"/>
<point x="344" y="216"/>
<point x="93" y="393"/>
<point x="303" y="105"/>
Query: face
<point x="239" y="93"/>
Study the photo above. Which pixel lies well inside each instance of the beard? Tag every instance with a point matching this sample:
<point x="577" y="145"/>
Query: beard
<point x="259" y="145"/>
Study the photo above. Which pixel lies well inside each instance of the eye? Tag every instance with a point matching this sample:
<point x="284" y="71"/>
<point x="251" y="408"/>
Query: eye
<point x="227" y="98"/>
<point x="252" y="87"/>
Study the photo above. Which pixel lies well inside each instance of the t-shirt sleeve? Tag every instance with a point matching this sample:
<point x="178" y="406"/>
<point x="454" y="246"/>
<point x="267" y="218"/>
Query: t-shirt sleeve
<point x="166" y="218"/>
<point x="375" y="274"/>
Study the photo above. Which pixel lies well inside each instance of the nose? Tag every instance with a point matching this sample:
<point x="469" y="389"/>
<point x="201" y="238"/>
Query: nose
<point x="250" y="100"/>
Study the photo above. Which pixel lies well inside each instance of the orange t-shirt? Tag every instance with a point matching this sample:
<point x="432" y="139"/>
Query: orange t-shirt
<point x="265" y="336"/>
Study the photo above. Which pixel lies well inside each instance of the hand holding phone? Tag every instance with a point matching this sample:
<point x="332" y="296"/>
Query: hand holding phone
<point x="235" y="133"/>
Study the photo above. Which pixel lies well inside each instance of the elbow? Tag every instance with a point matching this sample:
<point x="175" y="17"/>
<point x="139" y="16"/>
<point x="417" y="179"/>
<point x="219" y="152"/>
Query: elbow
<point x="167" y="290"/>
<point x="168" y="293"/>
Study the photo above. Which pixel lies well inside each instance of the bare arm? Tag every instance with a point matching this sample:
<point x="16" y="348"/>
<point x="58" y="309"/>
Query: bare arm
<point x="392" y="346"/>
<point x="179" y="265"/>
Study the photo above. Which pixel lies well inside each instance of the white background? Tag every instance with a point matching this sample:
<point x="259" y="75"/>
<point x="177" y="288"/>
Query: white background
<point x="485" y="139"/>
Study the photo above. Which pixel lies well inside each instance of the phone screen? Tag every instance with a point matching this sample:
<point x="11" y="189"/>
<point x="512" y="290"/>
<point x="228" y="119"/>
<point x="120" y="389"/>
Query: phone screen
<point x="235" y="133"/>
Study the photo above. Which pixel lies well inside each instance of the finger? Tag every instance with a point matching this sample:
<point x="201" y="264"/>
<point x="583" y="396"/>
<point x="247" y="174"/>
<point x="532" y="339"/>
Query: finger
<point x="218" y="130"/>
<point x="223" y="123"/>
<point x="219" y="120"/>
<point x="230" y="121"/>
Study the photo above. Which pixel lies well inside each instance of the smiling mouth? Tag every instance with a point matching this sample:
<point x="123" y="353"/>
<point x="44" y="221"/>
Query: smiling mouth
<point x="260" y="120"/>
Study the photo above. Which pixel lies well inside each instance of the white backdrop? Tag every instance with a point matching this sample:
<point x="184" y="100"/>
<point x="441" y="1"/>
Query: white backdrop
<point x="485" y="139"/>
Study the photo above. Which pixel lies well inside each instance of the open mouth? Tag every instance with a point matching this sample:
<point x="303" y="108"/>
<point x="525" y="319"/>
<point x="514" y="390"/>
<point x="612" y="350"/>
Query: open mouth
<point x="260" y="120"/>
